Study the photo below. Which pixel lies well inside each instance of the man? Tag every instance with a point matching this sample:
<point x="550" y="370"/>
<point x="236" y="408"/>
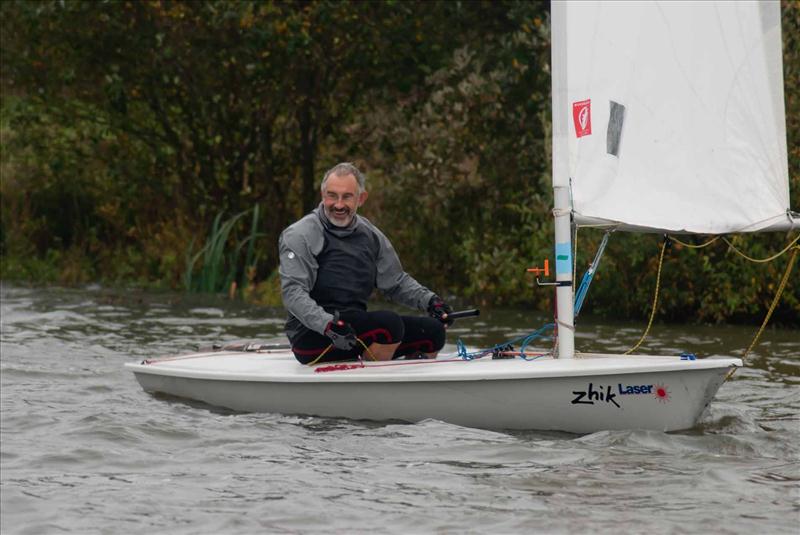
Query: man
<point x="330" y="262"/>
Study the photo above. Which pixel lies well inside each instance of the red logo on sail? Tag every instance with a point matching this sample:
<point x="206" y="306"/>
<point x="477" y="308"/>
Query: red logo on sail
<point x="582" y="116"/>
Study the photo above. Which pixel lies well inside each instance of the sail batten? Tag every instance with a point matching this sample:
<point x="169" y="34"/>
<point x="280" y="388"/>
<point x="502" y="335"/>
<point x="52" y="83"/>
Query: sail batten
<point x="670" y="116"/>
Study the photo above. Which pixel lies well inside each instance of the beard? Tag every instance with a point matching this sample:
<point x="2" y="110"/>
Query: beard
<point x="340" y="218"/>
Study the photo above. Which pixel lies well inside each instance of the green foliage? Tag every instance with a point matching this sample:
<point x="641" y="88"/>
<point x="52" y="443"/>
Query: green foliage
<point x="462" y="170"/>
<point x="141" y="113"/>
<point x="790" y="21"/>
<point x="84" y="190"/>
<point x="266" y="292"/>
<point x="709" y="285"/>
<point x="221" y="263"/>
<point x="129" y="127"/>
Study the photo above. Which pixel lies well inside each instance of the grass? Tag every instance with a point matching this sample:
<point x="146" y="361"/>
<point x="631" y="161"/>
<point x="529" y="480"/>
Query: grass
<point x="220" y="269"/>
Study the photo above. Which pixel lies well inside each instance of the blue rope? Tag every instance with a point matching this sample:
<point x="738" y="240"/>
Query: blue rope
<point x="523" y="340"/>
<point x="533" y="336"/>
<point x="462" y="350"/>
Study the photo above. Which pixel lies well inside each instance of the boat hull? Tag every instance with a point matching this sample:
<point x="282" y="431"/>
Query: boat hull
<point x="579" y="395"/>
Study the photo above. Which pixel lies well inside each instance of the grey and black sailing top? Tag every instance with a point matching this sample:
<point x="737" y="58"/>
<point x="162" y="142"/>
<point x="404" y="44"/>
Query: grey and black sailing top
<point x="324" y="268"/>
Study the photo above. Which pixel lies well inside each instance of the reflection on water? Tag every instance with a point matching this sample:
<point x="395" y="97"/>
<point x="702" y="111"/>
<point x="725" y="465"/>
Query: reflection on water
<point x="85" y="450"/>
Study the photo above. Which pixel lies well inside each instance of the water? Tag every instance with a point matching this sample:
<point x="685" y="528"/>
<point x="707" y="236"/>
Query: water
<point x="85" y="450"/>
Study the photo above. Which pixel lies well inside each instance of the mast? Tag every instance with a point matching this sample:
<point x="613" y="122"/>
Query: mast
<point x="564" y="293"/>
<point x="561" y="194"/>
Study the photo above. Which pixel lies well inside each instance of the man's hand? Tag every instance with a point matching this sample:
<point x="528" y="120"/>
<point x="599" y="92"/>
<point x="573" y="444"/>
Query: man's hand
<point x="341" y="334"/>
<point x="440" y="310"/>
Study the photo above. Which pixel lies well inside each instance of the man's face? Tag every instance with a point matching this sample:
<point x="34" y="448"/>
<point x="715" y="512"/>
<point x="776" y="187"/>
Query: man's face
<point x="341" y="199"/>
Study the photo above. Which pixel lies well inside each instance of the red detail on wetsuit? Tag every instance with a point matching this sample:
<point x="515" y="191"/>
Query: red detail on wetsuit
<point x="365" y="337"/>
<point x="373" y="334"/>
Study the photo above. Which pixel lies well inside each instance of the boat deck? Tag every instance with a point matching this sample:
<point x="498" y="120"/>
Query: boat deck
<point x="281" y="366"/>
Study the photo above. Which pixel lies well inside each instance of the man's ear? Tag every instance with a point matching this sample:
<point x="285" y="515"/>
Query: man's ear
<point x="363" y="197"/>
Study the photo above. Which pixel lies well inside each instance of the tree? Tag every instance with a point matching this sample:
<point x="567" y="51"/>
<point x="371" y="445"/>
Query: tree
<point x="226" y="103"/>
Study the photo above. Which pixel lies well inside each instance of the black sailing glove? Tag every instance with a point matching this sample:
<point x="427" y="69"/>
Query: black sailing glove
<point x="341" y="334"/>
<point x="440" y="310"/>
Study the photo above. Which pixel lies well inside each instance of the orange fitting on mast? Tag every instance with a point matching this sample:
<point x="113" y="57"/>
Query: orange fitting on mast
<point x="541" y="271"/>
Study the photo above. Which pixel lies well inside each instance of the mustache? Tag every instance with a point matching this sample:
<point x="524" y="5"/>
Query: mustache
<point x="339" y="211"/>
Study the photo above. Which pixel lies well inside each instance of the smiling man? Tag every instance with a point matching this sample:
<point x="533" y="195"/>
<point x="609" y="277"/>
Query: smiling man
<point x="331" y="260"/>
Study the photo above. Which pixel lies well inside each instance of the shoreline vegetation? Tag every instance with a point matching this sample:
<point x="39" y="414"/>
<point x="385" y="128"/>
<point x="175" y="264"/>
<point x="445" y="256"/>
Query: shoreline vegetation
<point x="165" y="145"/>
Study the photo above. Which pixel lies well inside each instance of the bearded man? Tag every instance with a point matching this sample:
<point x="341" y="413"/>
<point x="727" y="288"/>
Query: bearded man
<point x="331" y="260"/>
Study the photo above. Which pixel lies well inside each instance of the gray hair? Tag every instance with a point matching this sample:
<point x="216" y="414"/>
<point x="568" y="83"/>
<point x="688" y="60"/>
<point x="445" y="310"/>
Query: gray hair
<point x="344" y="169"/>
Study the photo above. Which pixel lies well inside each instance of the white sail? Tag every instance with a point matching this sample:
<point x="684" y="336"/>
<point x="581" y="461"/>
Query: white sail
<point x="669" y="116"/>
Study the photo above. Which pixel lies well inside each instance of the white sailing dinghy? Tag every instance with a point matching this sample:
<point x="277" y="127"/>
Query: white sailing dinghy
<point x="668" y="117"/>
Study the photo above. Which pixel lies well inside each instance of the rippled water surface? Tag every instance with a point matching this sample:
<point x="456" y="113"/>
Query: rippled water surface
<point x="85" y="450"/>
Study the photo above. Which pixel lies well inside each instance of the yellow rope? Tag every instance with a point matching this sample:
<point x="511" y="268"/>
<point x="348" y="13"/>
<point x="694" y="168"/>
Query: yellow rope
<point x="690" y="246"/>
<point x="770" y="259"/>
<point x="369" y="352"/>
<point x="776" y="299"/>
<point x="320" y="356"/>
<point x="655" y="301"/>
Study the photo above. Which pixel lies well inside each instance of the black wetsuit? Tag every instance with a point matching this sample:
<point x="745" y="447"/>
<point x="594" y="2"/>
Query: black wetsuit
<point x="325" y="269"/>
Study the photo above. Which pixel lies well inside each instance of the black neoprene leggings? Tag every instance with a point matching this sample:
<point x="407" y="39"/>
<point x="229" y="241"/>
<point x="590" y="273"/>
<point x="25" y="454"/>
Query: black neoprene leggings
<point x="416" y="334"/>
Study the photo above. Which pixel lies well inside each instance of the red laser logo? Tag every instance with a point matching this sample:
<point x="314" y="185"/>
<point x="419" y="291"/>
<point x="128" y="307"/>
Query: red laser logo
<point x="661" y="392"/>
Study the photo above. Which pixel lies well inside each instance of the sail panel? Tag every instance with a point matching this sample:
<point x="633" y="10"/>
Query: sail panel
<point x="674" y="114"/>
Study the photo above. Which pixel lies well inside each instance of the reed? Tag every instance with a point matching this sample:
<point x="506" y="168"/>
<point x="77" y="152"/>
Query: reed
<point x="220" y="269"/>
